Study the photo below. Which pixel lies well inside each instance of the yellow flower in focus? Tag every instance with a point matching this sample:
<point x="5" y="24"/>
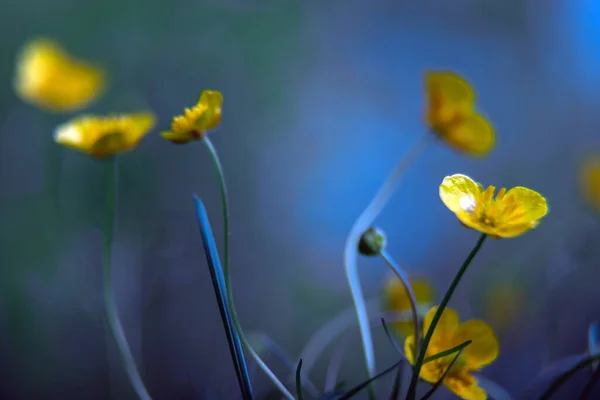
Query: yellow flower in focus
<point x="503" y="304"/>
<point x="396" y="299"/>
<point x="102" y="137"/>
<point x="48" y="77"/>
<point x="451" y="114"/>
<point x="198" y="120"/>
<point x="590" y="182"/>
<point x="510" y="214"/>
<point x="449" y="333"/>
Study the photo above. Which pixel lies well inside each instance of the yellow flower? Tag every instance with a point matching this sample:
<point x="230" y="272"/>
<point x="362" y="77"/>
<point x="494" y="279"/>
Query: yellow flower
<point x="590" y="182"/>
<point x="198" y="120"/>
<point x="396" y="299"/>
<point x="449" y="333"/>
<point x="451" y="114"/>
<point x="102" y="137"/>
<point x="503" y="304"/>
<point x="510" y="214"/>
<point x="48" y="77"/>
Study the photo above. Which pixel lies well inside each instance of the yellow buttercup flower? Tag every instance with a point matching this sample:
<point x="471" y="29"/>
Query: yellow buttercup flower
<point x="449" y="333"/>
<point x="590" y="181"/>
<point x="102" y="137"/>
<point x="50" y="78"/>
<point x="510" y="214"/>
<point x="396" y="299"/>
<point x="198" y="120"/>
<point x="451" y="114"/>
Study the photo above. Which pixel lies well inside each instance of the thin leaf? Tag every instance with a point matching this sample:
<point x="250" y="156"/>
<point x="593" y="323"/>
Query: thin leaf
<point x="355" y="390"/>
<point x="558" y="382"/>
<point x="334" y="366"/>
<point x="397" y="383"/>
<point x="218" y="281"/>
<point x="390" y="337"/>
<point x="441" y="380"/>
<point x="299" y="380"/>
<point x="447" y="352"/>
<point x="593" y="343"/>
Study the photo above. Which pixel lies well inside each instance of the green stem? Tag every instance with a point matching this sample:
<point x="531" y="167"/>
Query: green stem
<point x="226" y="270"/>
<point x="363" y="223"/>
<point x="411" y="294"/>
<point x="412" y="389"/>
<point x="111" y="309"/>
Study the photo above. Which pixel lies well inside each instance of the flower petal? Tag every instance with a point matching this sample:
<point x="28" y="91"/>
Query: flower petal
<point x="473" y="135"/>
<point x="590" y="182"/>
<point x="444" y="330"/>
<point x="451" y="88"/>
<point x="483" y="350"/>
<point x="464" y="385"/>
<point x="211" y="101"/>
<point x="528" y="205"/>
<point x="459" y="193"/>
<point x="409" y="349"/>
<point x="141" y="124"/>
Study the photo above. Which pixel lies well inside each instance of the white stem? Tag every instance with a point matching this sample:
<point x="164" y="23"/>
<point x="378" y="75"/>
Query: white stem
<point x="363" y="223"/>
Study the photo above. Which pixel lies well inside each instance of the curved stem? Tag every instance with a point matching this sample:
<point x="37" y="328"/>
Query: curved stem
<point x="363" y="223"/>
<point x="111" y="309"/>
<point x="412" y="389"/>
<point x="558" y="382"/>
<point x="225" y="208"/>
<point x="411" y="294"/>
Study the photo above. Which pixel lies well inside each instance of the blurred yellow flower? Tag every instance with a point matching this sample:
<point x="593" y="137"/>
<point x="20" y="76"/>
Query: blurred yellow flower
<point x="510" y="214"/>
<point x="590" y="181"/>
<point x="50" y="78"/>
<point x="396" y="299"/>
<point x="102" y="137"/>
<point x="451" y="114"/>
<point x="503" y="304"/>
<point x="449" y="333"/>
<point x="198" y="120"/>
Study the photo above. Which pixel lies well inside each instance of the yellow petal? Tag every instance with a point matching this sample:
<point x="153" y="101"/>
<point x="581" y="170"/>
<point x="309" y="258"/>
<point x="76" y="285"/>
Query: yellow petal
<point x="409" y="348"/>
<point x="472" y="134"/>
<point x="396" y="298"/>
<point x="464" y="385"/>
<point x="177" y="138"/>
<point x="211" y="101"/>
<point x="483" y="350"/>
<point x="590" y="181"/>
<point x="451" y="88"/>
<point x="141" y="124"/>
<point x="459" y="193"/>
<point x="529" y="205"/>
<point x="47" y="76"/>
<point x="444" y="330"/>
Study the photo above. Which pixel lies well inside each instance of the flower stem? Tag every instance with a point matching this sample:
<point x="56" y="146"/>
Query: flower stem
<point x="363" y="223"/>
<point x="412" y="389"/>
<point x="411" y="294"/>
<point x="226" y="270"/>
<point x="111" y="309"/>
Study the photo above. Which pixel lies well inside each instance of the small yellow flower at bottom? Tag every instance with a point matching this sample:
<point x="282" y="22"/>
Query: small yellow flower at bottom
<point x="101" y="137"/>
<point x="510" y="214"/>
<point x="451" y="115"/>
<point x="449" y="333"/>
<point x="197" y="120"/>
<point x="50" y="78"/>
<point x="396" y="299"/>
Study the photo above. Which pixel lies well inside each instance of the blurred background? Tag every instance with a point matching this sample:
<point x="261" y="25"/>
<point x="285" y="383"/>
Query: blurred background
<point x="322" y="99"/>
